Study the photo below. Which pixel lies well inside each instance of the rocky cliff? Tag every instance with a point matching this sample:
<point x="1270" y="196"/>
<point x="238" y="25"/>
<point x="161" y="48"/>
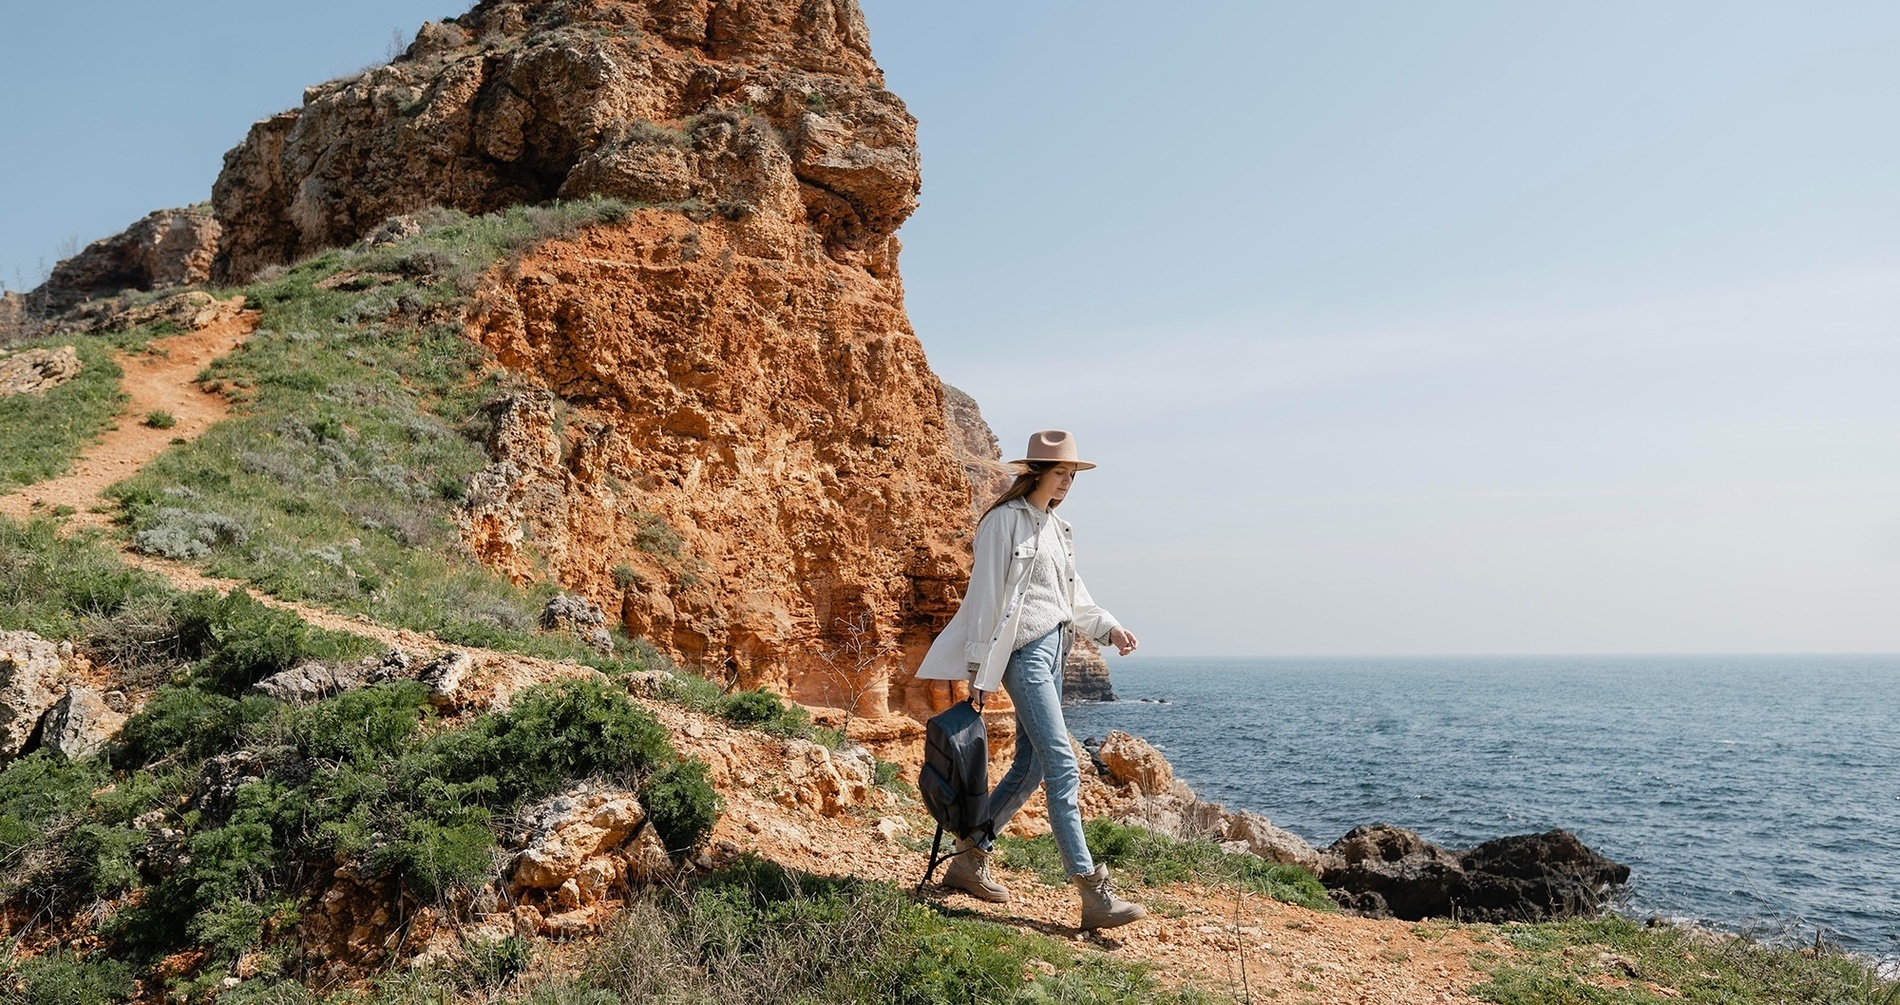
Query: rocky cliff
<point x="772" y="108"/>
<point x="737" y="445"/>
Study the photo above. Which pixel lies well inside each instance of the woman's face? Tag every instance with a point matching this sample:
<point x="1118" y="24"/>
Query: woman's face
<point x="1055" y="482"/>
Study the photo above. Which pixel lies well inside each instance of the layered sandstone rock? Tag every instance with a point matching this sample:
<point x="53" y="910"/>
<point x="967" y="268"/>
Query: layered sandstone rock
<point x="32" y="371"/>
<point x="976" y="447"/>
<point x="741" y="447"/>
<point x="172" y="247"/>
<point x="522" y="101"/>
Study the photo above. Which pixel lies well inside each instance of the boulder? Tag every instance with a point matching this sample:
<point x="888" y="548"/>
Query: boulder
<point x="32" y="371"/>
<point x="1528" y="877"/>
<point x="30" y="672"/>
<point x="817" y="780"/>
<point x="445" y="675"/>
<point x="80" y="724"/>
<point x="1258" y="836"/>
<point x="1386" y="871"/>
<point x="573" y="838"/>
<point x="1134" y="761"/>
<point x="308" y="682"/>
<point x="583" y="617"/>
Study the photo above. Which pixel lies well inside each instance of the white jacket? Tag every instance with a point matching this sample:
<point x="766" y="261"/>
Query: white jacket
<point x="978" y="641"/>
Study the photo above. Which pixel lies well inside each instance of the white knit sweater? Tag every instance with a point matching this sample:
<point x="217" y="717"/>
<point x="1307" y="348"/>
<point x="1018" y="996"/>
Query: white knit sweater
<point x="1046" y="601"/>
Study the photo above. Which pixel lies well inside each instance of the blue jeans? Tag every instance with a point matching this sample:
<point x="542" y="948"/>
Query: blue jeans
<point x="1043" y="754"/>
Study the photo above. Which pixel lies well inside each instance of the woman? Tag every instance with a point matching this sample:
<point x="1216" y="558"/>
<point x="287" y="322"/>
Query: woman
<point x="1011" y="632"/>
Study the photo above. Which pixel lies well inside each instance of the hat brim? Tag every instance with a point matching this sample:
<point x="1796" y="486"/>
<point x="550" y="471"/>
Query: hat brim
<point x="1079" y="465"/>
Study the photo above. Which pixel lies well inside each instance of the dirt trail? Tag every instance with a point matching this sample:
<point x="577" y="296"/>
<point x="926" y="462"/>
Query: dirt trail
<point x="160" y="379"/>
<point x="1195" y="933"/>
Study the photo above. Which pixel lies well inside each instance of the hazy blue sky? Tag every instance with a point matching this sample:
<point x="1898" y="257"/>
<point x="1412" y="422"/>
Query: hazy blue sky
<point x="1396" y="327"/>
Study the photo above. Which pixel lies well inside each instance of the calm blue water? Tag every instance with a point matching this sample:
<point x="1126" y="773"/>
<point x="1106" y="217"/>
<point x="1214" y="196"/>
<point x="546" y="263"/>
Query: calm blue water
<point x="1754" y="793"/>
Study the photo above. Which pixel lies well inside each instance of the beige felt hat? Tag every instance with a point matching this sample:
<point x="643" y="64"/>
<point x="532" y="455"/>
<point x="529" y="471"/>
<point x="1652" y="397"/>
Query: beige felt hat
<point x="1053" y="446"/>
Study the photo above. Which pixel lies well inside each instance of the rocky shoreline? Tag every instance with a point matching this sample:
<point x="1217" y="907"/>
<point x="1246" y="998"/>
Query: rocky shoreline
<point x="1377" y="870"/>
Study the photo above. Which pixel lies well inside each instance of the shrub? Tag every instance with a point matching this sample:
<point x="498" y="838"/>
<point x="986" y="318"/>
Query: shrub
<point x="186" y="723"/>
<point x="767" y="712"/>
<point x="657" y="537"/>
<point x="363" y="726"/>
<point x="242" y="640"/>
<point x="682" y="804"/>
<point x="62" y="977"/>
<point x="178" y="533"/>
<point x="160" y="419"/>
<point x="555" y="732"/>
<point x="752" y="708"/>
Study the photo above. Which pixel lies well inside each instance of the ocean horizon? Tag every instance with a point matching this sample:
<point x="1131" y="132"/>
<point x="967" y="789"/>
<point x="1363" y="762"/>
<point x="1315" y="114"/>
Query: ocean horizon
<point x="1754" y="793"/>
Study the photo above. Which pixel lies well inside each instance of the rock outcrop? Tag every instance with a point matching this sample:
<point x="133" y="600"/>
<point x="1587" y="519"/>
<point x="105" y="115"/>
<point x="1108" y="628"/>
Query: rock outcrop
<point x="31" y="675"/>
<point x="730" y="105"/>
<point x="1386" y="871"/>
<point x="80" y="724"/>
<point x="1085" y="674"/>
<point x="32" y="371"/>
<point x="1124" y="777"/>
<point x="13" y="317"/>
<point x="976" y="448"/>
<point x="172" y="247"/>
<point x="579" y="847"/>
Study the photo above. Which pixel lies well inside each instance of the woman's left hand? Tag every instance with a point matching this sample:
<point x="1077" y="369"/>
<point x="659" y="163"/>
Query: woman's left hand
<point x="1123" y="640"/>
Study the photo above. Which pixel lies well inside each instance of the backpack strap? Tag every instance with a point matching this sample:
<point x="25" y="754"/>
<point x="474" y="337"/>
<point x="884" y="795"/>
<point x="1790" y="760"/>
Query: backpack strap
<point x="935" y="859"/>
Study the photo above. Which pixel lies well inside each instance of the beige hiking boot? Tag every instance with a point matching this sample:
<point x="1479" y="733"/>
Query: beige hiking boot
<point x="1100" y="907"/>
<point x="969" y="871"/>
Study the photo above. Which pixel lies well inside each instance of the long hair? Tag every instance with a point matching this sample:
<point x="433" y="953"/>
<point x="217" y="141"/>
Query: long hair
<point x="1024" y="484"/>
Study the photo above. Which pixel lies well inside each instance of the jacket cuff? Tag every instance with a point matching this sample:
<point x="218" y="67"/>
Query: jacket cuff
<point x="975" y="652"/>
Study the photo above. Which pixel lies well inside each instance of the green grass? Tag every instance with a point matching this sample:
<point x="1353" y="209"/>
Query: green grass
<point x="42" y="434"/>
<point x="1570" y="963"/>
<point x="159" y="419"/>
<point x="1137" y="855"/>
<point x="358" y="431"/>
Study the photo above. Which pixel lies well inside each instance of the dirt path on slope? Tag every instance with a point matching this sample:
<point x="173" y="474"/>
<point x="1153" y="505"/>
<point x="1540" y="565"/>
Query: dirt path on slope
<point x="1212" y="937"/>
<point x="160" y="379"/>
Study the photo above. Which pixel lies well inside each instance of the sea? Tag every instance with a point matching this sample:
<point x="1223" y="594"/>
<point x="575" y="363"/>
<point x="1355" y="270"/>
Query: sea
<point x="1754" y="794"/>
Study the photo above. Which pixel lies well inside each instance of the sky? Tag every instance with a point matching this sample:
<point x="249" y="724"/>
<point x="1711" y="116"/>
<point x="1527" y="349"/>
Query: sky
<point x="1396" y="328"/>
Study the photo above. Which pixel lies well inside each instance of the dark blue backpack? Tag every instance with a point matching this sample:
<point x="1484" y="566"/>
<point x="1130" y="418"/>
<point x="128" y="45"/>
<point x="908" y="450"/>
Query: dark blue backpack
<point x="955" y="779"/>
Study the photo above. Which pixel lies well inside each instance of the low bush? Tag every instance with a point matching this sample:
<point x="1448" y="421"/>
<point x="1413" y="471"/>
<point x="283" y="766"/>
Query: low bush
<point x="62" y="977"/>
<point x="185" y="724"/>
<point x="682" y="804"/>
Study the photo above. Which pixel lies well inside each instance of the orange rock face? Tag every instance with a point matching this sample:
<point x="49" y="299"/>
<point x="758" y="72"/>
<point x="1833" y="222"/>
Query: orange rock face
<point x="740" y="454"/>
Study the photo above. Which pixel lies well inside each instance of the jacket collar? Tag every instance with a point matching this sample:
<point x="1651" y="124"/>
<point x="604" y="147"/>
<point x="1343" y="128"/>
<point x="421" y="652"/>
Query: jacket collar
<point x="1032" y="513"/>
